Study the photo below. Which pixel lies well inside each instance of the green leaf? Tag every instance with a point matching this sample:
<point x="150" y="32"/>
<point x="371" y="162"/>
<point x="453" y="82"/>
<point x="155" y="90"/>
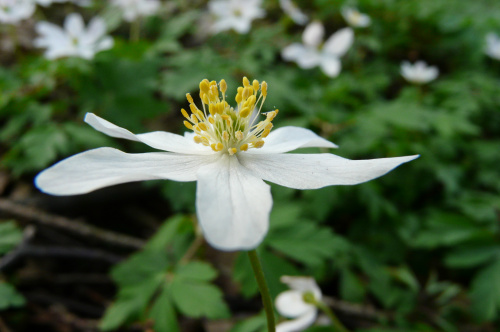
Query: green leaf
<point x="196" y="298"/>
<point x="253" y="324"/>
<point x="196" y="271"/>
<point x="351" y="287"/>
<point x="163" y="312"/>
<point x="168" y="231"/>
<point x="10" y="236"/>
<point x="472" y="255"/>
<point x="9" y="297"/>
<point x="485" y="293"/>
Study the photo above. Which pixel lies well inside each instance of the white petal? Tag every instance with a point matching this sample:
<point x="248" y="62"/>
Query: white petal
<point x="312" y="171"/>
<point x="291" y="304"/>
<point x="286" y="139"/>
<point x="340" y="42"/>
<point x="96" y="29"/>
<point x="74" y="24"/>
<point x="293" y="52"/>
<point x="294" y="12"/>
<point x="298" y="324"/>
<point x="310" y="59"/>
<point x="232" y="204"/>
<point x="158" y="139"/>
<point x="103" y="167"/>
<point x="313" y="34"/>
<point x="330" y="65"/>
<point x="302" y="284"/>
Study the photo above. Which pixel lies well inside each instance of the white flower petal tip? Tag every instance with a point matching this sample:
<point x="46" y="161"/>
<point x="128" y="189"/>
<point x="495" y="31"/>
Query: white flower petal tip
<point x="291" y="303"/>
<point x="313" y="171"/>
<point x="235" y="14"/>
<point x="310" y="54"/>
<point x="493" y="46"/>
<point x="355" y="18"/>
<point x="419" y="73"/>
<point x="74" y="39"/>
<point x="294" y="12"/>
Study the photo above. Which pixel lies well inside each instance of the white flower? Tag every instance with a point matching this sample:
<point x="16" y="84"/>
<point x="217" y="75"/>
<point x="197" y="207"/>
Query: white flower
<point x="291" y="303"/>
<point x="74" y="39"/>
<point x="493" y="46"/>
<point x="48" y="2"/>
<point x="294" y="12"/>
<point x="132" y="9"/>
<point x="310" y="54"/>
<point x="227" y="157"/>
<point x="14" y="11"/>
<point x="355" y="18"/>
<point x="235" y="14"/>
<point x="419" y="73"/>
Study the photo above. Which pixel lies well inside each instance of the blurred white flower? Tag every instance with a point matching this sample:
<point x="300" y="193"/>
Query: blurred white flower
<point x="74" y="40"/>
<point x="132" y="9"/>
<point x="229" y="153"/>
<point x="291" y="303"/>
<point x="355" y="18"/>
<point x="235" y="14"/>
<point x="46" y="3"/>
<point x="14" y="11"/>
<point x="493" y="46"/>
<point x="419" y="73"/>
<point x="294" y="12"/>
<point x="311" y="54"/>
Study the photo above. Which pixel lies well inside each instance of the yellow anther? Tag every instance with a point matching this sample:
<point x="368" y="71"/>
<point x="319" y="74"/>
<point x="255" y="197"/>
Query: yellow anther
<point x="185" y="114"/>
<point x="220" y="107"/>
<point x="269" y="126"/>
<point x="232" y="151"/>
<point x="214" y="147"/>
<point x="258" y="144"/>
<point x="225" y="136"/>
<point x="212" y="108"/>
<point x="238" y="98"/>
<point x="197" y="139"/>
<point x="205" y="99"/>
<point x="194" y="119"/>
<point x="246" y="93"/>
<point x="265" y="133"/>
<point x="250" y="101"/>
<point x="223" y="86"/>
<point x="276" y="111"/>
<point x="211" y="119"/>
<point x="225" y="117"/>
<point x="264" y="88"/>
<point x="255" y="85"/>
<point x="244" y="147"/>
<point x="205" y="141"/>
<point x="239" y="135"/>
<point x="246" y="82"/>
<point x="204" y="86"/>
<point x="193" y="108"/>
<point x="229" y="122"/>
<point x="189" y="98"/>
<point x="213" y="83"/>
<point x="245" y="112"/>
<point x="188" y="125"/>
<point x="203" y="126"/>
<point x="197" y="129"/>
<point x="219" y="146"/>
<point x="271" y="115"/>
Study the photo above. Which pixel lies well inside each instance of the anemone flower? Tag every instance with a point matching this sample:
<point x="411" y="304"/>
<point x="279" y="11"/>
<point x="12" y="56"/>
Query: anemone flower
<point x="419" y="73"/>
<point x="132" y="9"/>
<point x="235" y="14"/>
<point x="355" y="18"/>
<point x="311" y="53"/>
<point x="14" y="11"/>
<point x="292" y="304"/>
<point x="230" y="152"/>
<point x="74" y="40"/>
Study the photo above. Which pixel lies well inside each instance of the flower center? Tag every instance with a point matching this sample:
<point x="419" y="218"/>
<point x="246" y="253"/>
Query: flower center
<point x="224" y="128"/>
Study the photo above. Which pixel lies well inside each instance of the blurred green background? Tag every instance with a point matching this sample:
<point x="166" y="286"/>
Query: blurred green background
<point x="416" y="250"/>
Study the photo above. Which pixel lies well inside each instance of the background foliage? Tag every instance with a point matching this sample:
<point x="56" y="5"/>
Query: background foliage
<point x="419" y="247"/>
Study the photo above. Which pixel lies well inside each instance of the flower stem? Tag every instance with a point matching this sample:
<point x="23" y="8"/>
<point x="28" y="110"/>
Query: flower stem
<point x="264" y="290"/>
<point x="135" y="30"/>
<point x="339" y="327"/>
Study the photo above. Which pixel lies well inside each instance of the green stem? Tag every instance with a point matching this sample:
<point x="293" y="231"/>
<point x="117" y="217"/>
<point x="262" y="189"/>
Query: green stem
<point x="339" y="327"/>
<point x="264" y="290"/>
<point x="135" y="30"/>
